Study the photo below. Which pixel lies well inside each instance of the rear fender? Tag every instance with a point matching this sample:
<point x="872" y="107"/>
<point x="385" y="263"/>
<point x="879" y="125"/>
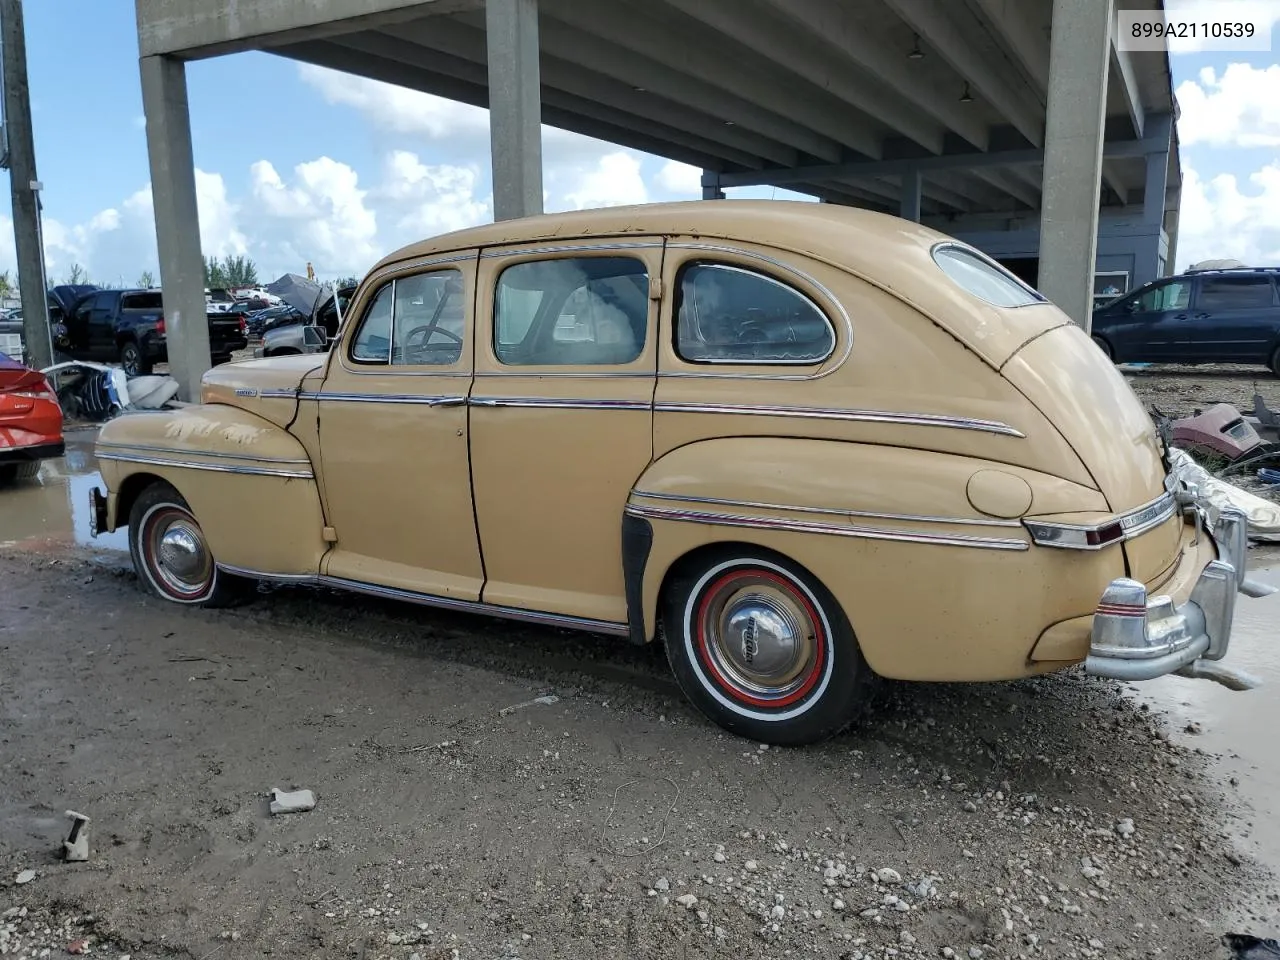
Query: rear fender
<point x="249" y="482"/>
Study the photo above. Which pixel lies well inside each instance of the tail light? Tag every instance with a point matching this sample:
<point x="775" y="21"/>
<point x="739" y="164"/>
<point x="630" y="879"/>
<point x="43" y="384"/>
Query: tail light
<point x="244" y="325"/>
<point x="160" y="326"/>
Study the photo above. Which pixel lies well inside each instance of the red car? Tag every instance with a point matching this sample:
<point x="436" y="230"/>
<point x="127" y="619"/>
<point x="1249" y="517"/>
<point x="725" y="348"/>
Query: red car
<point x="30" y="421"/>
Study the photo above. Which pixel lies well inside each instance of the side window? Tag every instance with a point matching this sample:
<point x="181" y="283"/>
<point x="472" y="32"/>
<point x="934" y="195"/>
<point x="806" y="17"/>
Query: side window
<point x="582" y="310"/>
<point x="1235" y="293"/>
<point x="373" y="339"/>
<point x="726" y="314"/>
<point x="1170" y="296"/>
<point x="414" y="321"/>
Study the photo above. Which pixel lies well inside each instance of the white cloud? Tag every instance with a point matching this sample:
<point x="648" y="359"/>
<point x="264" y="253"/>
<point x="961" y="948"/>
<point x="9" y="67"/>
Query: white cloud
<point x="1220" y="219"/>
<point x="1263" y="14"/>
<point x="1239" y="108"/>
<point x="614" y="180"/>
<point x="679" y="178"/>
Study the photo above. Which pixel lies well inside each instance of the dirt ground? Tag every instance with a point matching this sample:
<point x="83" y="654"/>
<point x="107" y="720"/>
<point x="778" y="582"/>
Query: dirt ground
<point x="456" y="818"/>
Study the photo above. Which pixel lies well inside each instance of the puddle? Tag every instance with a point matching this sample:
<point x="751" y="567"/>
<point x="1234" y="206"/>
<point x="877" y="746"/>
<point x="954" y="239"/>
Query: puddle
<point x="54" y="509"/>
<point x="1238" y="726"/>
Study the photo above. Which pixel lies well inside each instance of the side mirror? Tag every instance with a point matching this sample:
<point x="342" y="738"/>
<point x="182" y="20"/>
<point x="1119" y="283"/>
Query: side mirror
<point x="1131" y="306"/>
<point x="313" y="336"/>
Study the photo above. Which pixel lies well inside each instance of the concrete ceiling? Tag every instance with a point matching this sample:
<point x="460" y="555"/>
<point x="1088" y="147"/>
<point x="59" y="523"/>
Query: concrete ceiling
<point x="747" y="88"/>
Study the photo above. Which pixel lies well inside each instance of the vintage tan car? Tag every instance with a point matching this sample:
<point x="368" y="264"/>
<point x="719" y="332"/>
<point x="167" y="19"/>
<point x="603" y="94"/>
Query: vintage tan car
<point x="802" y="445"/>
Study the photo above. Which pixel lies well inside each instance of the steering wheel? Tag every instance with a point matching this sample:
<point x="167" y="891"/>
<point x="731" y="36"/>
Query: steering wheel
<point x="423" y="333"/>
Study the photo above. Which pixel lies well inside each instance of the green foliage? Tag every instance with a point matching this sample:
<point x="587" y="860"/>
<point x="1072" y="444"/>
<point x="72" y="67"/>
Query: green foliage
<point x="77" y="275"/>
<point x="146" y="280"/>
<point x="344" y="282"/>
<point x="230" y="271"/>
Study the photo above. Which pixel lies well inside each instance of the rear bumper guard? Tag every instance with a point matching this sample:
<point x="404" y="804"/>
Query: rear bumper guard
<point x="1136" y="637"/>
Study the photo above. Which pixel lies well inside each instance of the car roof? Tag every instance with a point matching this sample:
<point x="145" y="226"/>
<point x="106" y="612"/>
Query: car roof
<point x="823" y="229"/>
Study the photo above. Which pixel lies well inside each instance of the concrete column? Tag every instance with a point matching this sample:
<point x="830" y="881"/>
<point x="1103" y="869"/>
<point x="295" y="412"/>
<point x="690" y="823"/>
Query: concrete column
<point x="173" y="197"/>
<point x="910" y="200"/>
<point x="1079" y="58"/>
<point x="711" y="189"/>
<point x="515" y="107"/>
<point x="1159" y="134"/>
<point x="1171" y="259"/>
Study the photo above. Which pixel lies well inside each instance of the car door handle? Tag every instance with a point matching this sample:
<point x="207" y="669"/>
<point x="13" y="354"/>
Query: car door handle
<point x="1181" y="316"/>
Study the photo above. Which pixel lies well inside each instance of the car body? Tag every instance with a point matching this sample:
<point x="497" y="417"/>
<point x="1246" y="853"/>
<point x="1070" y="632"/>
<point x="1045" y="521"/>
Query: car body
<point x="803" y="445"/>
<point x="30" y="421"/>
<point x="1207" y="316"/>
<point x="129" y="326"/>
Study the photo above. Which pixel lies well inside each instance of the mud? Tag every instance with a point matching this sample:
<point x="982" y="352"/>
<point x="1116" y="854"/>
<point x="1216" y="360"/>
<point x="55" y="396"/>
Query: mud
<point x="457" y="817"/>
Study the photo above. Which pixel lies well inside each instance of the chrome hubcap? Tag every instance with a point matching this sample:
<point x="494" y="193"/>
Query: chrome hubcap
<point x="182" y="558"/>
<point x="760" y="637"/>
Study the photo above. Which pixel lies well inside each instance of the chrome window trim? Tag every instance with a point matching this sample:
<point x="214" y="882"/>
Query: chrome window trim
<point x="561" y="404"/>
<point x="832" y="529"/>
<point x="433" y="600"/>
<point x="1039" y="299"/>
<point x="755" y="274"/>
<point x="829" y="366"/>
<point x="833" y="511"/>
<point x="507" y="251"/>
<point x="101" y="444"/>
<point x="1129" y="522"/>
<point x="835" y="413"/>
<point x="214" y="467"/>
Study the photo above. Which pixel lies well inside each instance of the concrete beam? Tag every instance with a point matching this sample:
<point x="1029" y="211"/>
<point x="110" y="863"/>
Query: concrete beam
<point x="711" y="185"/>
<point x="1124" y="76"/>
<point x="909" y="208"/>
<point x="515" y="107"/>
<point x="173" y="197"/>
<point x="819" y="64"/>
<point x="683" y="55"/>
<point x="645" y="76"/>
<point x="1154" y="200"/>
<point x="1007" y="183"/>
<point x="200" y="28"/>
<point x="961" y="39"/>
<point x="1007" y="19"/>
<point x="448" y="43"/>
<point x="1078" y="68"/>
<point x="831" y="26"/>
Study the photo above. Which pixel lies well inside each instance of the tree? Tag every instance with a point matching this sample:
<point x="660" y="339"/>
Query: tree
<point x="146" y="280"/>
<point x="77" y="275"/>
<point x="344" y="282"/>
<point x="240" y="271"/>
<point x="6" y="284"/>
<point x="215" y="277"/>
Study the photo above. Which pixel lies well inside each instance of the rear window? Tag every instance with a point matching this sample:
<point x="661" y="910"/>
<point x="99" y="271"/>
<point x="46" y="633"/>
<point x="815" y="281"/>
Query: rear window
<point x="140" y="301"/>
<point x="984" y="278"/>
<point x="1235" y="293"/>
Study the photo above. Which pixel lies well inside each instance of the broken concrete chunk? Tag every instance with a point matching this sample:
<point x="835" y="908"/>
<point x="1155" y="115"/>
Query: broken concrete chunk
<point x="76" y="847"/>
<point x="296" y="802"/>
<point x="26" y="876"/>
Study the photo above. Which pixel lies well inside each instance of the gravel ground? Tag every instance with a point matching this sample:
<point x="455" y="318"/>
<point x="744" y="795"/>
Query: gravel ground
<point x="458" y="817"/>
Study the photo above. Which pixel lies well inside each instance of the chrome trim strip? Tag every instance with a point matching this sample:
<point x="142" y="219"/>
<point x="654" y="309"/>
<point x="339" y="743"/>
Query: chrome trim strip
<point x="1166" y="506"/>
<point x="196" y="453"/>
<point x="558" y="404"/>
<point x="543" y="373"/>
<point x="839" y="530"/>
<point x="432" y="600"/>
<point x="214" y="467"/>
<point x="868" y="514"/>
<point x="829" y="413"/>
<point x="281" y="394"/>
<point x="1133" y="523"/>
<point x="508" y="251"/>
<point x="454" y="400"/>
<point x="796" y="272"/>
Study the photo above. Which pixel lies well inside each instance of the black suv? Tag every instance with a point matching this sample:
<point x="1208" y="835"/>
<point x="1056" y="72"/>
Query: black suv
<point x="1208" y="316"/>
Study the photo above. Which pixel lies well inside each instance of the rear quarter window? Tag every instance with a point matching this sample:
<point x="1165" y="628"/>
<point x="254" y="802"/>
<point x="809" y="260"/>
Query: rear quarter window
<point x="140" y="301"/>
<point x="984" y="278"/>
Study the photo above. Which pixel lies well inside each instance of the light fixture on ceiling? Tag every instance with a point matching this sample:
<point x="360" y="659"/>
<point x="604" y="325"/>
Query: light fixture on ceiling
<point x="916" y="53"/>
<point x="966" y="97"/>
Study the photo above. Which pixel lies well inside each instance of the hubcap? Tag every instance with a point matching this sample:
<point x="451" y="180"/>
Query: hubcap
<point x="759" y="636"/>
<point x="180" y="556"/>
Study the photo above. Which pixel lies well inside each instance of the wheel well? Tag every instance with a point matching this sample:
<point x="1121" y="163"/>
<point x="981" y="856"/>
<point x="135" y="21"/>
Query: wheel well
<point x="130" y="490"/>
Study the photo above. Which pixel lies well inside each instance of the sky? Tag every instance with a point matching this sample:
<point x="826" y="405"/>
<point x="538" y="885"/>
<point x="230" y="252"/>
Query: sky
<point x="298" y="164"/>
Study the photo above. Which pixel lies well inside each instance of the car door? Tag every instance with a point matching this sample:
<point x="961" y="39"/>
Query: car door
<point x="1151" y="325"/>
<point x="393" y="436"/>
<point x="1237" y="313"/>
<point x="78" y="326"/>
<point x="102" y="327"/>
<point x="561" y="419"/>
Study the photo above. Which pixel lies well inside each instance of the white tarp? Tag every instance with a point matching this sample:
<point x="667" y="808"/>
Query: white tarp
<point x="1264" y="516"/>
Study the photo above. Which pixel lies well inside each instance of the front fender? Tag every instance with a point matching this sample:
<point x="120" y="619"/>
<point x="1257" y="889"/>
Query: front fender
<point x="892" y="532"/>
<point x="249" y="482"/>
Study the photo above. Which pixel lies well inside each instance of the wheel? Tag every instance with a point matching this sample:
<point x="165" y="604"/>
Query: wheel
<point x="133" y="361"/>
<point x="171" y="555"/>
<point x="18" y="472"/>
<point x="1105" y="348"/>
<point x="1275" y="362"/>
<point x="763" y="649"/>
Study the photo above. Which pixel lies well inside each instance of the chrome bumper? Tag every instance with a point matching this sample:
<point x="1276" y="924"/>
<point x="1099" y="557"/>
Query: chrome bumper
<point x="1136" y="637"/>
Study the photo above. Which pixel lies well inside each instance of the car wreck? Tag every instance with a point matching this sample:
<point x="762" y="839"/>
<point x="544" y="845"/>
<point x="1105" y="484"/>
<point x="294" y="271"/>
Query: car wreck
<point x="803" y="446"/>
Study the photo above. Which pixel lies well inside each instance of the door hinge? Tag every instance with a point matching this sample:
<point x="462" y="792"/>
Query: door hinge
<point x="655" y="288"/>
<point x="329" y="534"/>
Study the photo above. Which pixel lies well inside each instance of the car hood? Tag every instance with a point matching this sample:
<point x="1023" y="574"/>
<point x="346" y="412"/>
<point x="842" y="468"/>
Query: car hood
<point x="267" y="387"/>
